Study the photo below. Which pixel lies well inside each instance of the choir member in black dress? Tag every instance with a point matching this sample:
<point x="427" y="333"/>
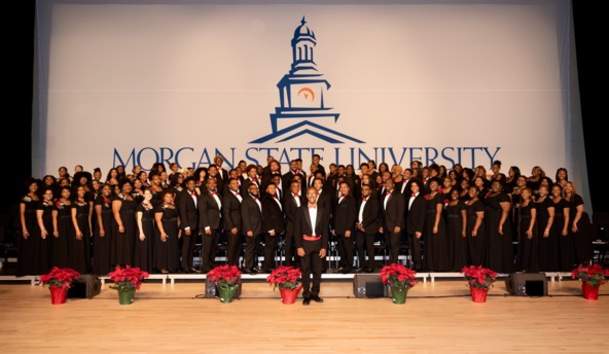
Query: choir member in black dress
<point x="44" y="215"/>
<point x="27" y="220"/>
<point x="476" y="228"/>
<point x="548" y="235"/>
<point x="291" y="204"/>
<point x="437" y="258"/>
<point x="231" y="212"/>
<point x="123" y="209"/>
<point x="456" y="230"/>
<point x="343" y="225"/>
<point x="560" y="227"/>
<point x="210" y="212"/>
<point x="102" y="231"/>
<point x="166" y="250"/>
<point x="581" y="229"/>
<point x="415" y="222"/>
<point x="144" y="216"/>
<point x="528" y="241"/>
<point x="62" y="224"/>
<point x="499" y="256"/>
<point x="82" y="212"/>
<point x="186" y="202"/>
<point x="273" y="224"/>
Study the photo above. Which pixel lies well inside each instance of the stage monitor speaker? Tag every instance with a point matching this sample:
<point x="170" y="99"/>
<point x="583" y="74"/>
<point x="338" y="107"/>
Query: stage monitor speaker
<point x="211" y="290"/>
<point x="85" y="287"/>
<point x="368" y="285"/>
<point x="527" y="284"/>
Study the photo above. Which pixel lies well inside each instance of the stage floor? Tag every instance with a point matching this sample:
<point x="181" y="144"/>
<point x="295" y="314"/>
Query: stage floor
<point x="436" y="318"/>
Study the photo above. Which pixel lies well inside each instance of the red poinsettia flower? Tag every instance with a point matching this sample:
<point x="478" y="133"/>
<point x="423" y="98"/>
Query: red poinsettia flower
<point x="479" y="277"/>
<point x="397" y="275"/>
<point x="60" y="277"/>
<point x="594" y="274"/>
<point x="228" y="274"/>
<point x="128" y="277"/>
<point x="284" y="277"/>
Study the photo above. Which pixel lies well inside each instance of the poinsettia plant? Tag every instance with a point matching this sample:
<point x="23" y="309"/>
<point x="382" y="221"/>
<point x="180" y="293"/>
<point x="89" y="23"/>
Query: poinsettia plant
<point x="127" y="278"/>
<point x="594" y="275"/>
<point x="397" y="275"/>
<point x="479" y="277"/>
<point x="284" y="277"/>
<point x="225" y="275"/>
<point x="60" y="277"/>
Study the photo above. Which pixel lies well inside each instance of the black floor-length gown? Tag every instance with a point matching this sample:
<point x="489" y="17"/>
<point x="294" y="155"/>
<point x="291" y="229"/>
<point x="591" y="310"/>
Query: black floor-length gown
<point x="167" y="252"/>
<point x="26" y="264"/>
<point x="77" y="249"/>
<point x="144" y="248"/>
<point x="59" y="244"/>
<point x="566" y="250"/>
<point x="102" y="244"/>
<point x="548" y="246"/>
<point x="125" y="242"/>
<point x="499" y="252"/>
<point x="454" y="228"/>
<point x="476" y="244"/>
<point x="528" y="250"/>
<point x="436" y="245"/>
<point x="582" y="239"/>
<point x="42" y="249"/>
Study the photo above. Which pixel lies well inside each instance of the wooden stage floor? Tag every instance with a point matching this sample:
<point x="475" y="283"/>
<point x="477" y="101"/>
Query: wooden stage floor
<point x="436" y="318"/>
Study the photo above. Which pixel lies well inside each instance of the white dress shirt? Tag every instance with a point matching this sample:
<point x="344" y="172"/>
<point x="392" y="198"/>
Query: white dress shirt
<point x="313" y="216"/>
<point x="411" y="200"/>
<point x="360" y="216"/>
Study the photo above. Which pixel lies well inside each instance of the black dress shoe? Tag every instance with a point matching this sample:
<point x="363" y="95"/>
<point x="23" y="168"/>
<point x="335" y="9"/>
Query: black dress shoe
<point x="316" y="298"/>
<point x="306" y="300"/>
<point x="346" y="270"/>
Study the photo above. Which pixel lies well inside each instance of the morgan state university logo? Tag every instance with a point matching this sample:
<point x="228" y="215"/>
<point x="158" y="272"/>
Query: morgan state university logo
<point x="302" y="91"/>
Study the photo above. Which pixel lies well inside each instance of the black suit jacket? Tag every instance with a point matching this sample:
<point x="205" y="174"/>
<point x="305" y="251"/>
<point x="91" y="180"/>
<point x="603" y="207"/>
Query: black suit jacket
<point x="393" y="215"/>
<point x="231" y="211"/>
<point x="371" y="216"/>
<point x="415" y="217"/>
<point x="287" y="178"/>
<point x="304" y="227"/>
<point x="251" y="216"/>
<point x="209" y="213"/>
<point x="290" y="209"/>
<point x="272" y="215"/>
<point x="345" y="215"/>
<point x="187" y="210"/>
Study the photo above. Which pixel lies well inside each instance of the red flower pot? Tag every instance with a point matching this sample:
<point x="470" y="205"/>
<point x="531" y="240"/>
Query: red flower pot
<point x="478" y="294"/>
<point x="289" y="296"/>
<point x="590" y="291"/>
<point x="58" y="295"/>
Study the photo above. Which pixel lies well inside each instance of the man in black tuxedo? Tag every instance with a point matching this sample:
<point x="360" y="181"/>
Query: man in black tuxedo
<point x="231" y="216"/>
<point x="210" y="208"/>
<point x="187" y="201"/>
<point x="252" y="178"/>
<point x="251" y="217"/>
<point x="368" y="224"/>
<point x="222" y="172"/>
<point x="273" y="224"/>
<point x="312" y="244"/>
<point x="393" y="219"/>
<point x="325" y="196"/>
<point x="415" y="220"/>
<point x="295" y="170"/>
<point x="344" y="216"/>
<point x="291" y="204"/>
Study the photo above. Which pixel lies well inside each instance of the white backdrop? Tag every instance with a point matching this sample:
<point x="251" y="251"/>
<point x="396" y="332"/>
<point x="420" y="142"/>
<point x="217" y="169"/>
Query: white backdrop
<point x="465" y="80"/>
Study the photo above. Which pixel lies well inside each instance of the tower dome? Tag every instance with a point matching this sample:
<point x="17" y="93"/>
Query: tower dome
<point x="303" y="30"/>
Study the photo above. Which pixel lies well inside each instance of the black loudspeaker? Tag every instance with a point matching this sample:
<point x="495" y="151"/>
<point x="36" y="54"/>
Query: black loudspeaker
<point x="368" y="285"/>
<point x="212" y="291"/>
<point x="85" y="287"/>
<point x="527" y="284"/>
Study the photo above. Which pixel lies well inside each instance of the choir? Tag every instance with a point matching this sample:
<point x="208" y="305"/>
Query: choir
<point x="440" y="219"/>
